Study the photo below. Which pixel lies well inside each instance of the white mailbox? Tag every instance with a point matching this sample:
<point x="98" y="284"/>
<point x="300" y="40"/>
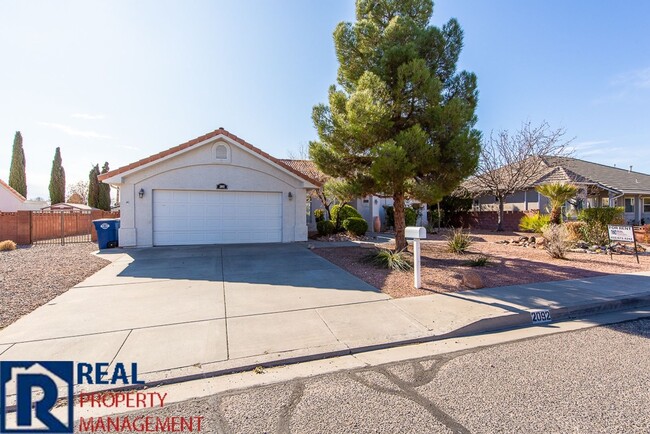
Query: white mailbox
<point x="415" y="232"/>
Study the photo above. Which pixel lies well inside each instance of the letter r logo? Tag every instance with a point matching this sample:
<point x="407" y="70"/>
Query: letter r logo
<point x="36" y="388"/>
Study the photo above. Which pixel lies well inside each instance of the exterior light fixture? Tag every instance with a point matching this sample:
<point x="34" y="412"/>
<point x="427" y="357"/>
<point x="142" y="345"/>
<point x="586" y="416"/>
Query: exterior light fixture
<point x="290" y="196"/>
<point x="141" y="193"/>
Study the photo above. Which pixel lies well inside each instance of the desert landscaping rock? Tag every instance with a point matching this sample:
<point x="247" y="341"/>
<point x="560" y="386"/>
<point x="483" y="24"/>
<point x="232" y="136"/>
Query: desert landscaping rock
<point x="32" y="276"/>
<point x="471" y="279"/>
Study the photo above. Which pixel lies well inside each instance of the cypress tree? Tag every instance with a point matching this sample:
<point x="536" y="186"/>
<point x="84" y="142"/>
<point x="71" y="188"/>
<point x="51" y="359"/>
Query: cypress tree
<point x="104" y="200"/>
<point x="17" y="173"/>
<point x="57" y="179"/>
<point x="93" y="187"/>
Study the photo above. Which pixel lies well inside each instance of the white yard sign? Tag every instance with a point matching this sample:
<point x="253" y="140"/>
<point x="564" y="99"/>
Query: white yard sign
<point x="621" y="233"/>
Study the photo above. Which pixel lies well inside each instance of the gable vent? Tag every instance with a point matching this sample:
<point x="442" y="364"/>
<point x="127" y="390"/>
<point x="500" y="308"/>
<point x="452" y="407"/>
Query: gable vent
<point x="221" y="152"/>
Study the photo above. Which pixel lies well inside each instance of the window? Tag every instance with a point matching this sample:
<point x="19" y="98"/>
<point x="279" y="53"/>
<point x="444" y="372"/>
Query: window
<point x="646" y="204"/>
<point x="629" y="204"/>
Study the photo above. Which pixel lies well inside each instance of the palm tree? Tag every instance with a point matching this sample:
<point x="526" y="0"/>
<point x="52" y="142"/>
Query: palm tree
<point x="558" y="193"/>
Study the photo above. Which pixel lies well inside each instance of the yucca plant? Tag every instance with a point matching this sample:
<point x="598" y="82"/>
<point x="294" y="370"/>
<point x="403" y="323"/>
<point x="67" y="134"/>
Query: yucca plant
<point x="392" y="260"/>
<point x="479" y="261"/>
<point x="558" y="193"/>
<point x="459" y="241"/>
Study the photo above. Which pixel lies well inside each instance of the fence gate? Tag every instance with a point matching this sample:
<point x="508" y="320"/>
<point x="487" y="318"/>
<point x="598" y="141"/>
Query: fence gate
<point x="61" y="227"/>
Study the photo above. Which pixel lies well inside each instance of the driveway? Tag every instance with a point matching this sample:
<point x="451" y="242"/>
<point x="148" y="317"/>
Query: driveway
<point x="184" y="307"/>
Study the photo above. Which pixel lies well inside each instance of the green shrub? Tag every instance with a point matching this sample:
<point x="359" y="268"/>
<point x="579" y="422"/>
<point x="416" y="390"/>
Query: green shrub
<point x="557" y="241"/>
<point x="356" y="226"/>
<point x="594" y="233"/>
<point x="410" y="216"/>
<point x="459" y="241"/>
<point x="605" y="216"/>
<point x="7" y="245"/>
<point x="596" y="221"/>
<point x="479" y="261"/>
<point x="342" y="213"/>
<point x="575" y="230"/>
<point x="534" y="223"/>
<point x="388" y="259"/>
<point x="319" y="215"/>
<point x="325" y="227"/>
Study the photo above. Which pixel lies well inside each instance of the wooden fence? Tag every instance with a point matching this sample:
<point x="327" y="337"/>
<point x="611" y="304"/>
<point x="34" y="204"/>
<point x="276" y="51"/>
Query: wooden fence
<point x="38" y="227"/>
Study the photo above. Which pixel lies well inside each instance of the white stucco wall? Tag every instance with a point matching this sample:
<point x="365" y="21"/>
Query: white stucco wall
<point x="8" y="201"/>
<point x="198" y="169"/>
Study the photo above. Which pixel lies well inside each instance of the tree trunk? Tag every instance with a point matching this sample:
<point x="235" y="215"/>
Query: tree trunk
<point x="500" y="214"/>
<point x="398" y="211"/>
<point x="556" y="215"/>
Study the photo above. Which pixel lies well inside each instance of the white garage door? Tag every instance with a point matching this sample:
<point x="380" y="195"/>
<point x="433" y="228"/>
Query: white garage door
<point x="216" y="217"/>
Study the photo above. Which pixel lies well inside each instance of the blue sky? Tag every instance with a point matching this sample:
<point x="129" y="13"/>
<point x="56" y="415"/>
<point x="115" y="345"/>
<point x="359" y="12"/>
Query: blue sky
<point x="119" y="80"/>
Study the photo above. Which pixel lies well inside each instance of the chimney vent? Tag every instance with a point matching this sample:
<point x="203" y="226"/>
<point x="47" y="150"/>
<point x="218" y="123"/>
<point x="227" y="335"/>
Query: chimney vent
<point x="630" y="168"/>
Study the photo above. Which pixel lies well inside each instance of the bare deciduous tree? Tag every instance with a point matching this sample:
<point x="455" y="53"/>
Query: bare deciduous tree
<point x="513" y="162"/>
<point x="80" y="188"/>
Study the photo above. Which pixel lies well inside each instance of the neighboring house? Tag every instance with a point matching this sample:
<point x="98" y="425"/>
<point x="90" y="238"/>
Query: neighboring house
<point x="67" y="206"/>
<point x="12" y="201"/>
<point x="599" y="186"/>
<point x="369" y="206"/>
<point x="214" y="189"/>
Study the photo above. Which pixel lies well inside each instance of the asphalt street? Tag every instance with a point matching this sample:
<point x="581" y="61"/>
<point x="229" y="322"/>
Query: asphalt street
<point x="595" y="380"/>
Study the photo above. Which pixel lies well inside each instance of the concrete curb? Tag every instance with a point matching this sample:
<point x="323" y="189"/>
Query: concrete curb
<point x="483" y="326"/>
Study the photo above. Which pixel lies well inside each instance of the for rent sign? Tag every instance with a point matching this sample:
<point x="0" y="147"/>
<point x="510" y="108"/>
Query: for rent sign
<point x="621" y="233"/>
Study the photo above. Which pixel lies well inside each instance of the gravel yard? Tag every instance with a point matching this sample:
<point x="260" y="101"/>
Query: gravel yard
<point x="32" y="276"/>
<point x="508" y="265"/>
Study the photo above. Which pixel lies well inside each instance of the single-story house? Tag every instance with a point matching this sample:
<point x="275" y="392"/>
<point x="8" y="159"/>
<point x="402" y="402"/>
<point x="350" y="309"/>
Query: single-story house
<point x="368" y="206"/>
<point x="12" y="201"/>
<point x="67" y="206"/>
<point x="599" y="185"/>
<point x="214" y="189"/>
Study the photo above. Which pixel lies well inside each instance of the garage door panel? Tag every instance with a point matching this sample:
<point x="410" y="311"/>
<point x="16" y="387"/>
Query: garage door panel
<point x="215" y="217"/>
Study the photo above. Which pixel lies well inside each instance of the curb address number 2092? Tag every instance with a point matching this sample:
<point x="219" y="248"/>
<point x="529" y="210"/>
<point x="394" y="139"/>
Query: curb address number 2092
<point x="540" y="316"/>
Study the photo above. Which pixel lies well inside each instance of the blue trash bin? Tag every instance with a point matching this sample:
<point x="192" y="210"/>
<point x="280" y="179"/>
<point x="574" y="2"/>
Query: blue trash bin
<point x="107" y="232"/>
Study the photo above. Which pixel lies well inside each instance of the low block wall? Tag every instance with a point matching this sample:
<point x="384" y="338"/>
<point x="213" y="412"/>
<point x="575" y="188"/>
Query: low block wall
<point x="488" y="219"/>
<point x="8" y="226"/>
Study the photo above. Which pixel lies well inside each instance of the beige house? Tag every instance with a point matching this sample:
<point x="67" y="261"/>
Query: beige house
<point x="599" y="185"/>
<point x="215" y="189"/>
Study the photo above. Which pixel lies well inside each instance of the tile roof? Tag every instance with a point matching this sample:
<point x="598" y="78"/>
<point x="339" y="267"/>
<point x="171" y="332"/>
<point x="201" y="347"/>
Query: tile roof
<point x="200" y="139"/>
<point x="574" y="170"/>
<point x="623" y="180"/>
<point x="12" y="191"/>
<point x="308" y="168"/>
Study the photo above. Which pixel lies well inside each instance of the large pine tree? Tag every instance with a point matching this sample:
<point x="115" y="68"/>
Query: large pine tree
<point x="17" y="170"/>
<point x="104" y="200"/>
<point x="57" y="179"/>
<point x="402" y="120"/>
<point x="93" y="187"/>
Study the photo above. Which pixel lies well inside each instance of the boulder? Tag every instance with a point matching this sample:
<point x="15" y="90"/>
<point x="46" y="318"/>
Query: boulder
<point x="471" y="279"/>
<point x="540" y="242"/>
<point x="532" y="240"/>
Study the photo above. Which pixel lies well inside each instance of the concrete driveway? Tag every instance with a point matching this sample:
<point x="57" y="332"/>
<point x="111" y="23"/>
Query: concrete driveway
<point x="189" y="306"/>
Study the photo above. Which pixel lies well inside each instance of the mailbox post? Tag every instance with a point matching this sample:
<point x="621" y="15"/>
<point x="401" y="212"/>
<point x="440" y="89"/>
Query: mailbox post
<point x="416" y="233"/>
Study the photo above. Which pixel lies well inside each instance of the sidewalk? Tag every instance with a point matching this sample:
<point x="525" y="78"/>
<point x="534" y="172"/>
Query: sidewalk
<point x="200" y="342"/>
